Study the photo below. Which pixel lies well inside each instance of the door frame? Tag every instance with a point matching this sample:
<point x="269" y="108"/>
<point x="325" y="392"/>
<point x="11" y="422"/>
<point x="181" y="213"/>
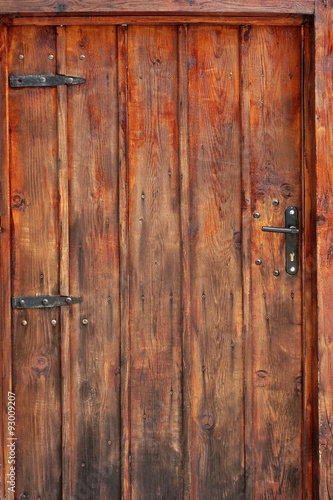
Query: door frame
<point x="319" y="147"/>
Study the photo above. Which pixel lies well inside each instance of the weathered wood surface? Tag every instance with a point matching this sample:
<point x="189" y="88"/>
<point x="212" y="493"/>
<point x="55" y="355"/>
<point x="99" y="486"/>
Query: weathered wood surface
<point x="100" y="20"/>
<point x="215" y="262"/>
<point x="5" y="262"/>
<point x="275" y="335"/>
<point x="324" y="151"/>
<point x="94" y="262"/>
<point x="162" y="6"/>
<point x="177" y="137"/>
<point x="35" y="245"/>
<point x="155" y="268"/>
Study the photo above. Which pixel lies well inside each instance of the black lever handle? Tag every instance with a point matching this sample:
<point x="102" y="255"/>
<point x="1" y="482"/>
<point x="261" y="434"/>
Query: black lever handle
<point x="286" y="230"/>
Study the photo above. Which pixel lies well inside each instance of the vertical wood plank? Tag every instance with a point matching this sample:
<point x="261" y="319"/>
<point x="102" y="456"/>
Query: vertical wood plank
<point x="155" y="267"/>
<point x="310" y="367"/>
<point x="94" y="262"/>
<point x="216" y="272"/>
<point x="245" y="73"/>
<point x="276" y="343"/>
<point x="124" y="261"/>
<point x="5" y="267"/>
<point x="324" y="152"/>
<point x="35" y="258"/>
<point x="64" y="262"/>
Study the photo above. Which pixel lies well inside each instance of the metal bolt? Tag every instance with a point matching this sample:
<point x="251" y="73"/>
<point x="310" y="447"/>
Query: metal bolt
<point x="53" y="322"/>
<point x="292" y="211"/>
<point x="84" y="321"/>
<point x="143" y="196"/>
<point x="21" y="57"/>
<point x="22" y="303"/>
<point x="275" y="203"/>
<point x="82" y="56"/>
<point x="24" y="322"/>
<point x="292" y="269"/>
<point x="42" y="79"/>
<point x="258" y="262"/>
<point x="276" y="273"/>
<point x="45" y="302"/>
<point x="68" y="300"/>
<point x="70" y="80"/>
<point x="256" y="215"/>
<point x="51" y="56"/>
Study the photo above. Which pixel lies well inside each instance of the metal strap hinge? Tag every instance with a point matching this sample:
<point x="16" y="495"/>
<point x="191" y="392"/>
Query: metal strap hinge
<point x="42" y="301"/>
<point x="19" y="81"/>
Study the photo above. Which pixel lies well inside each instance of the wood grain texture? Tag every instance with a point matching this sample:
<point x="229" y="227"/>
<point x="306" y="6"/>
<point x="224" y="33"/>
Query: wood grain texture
<point x="215" y="262"/>
<point x="5" y="264"/>
<point x="310" y="337"/>
<point x="35" y="258"/>
<point x="155" y="267"/>
<point x="162" y="6"/>
<point x="324" y="152"/>
<point x="94" y="257"/>
<point x="99" y="20"/>
<point x="274" y="452"/>
<point x="64" y="263"/>
<point x="124" y="262"/>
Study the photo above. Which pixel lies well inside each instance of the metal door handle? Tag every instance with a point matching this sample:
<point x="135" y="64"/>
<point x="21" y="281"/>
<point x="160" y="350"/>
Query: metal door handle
<point x="286" y="230"/>
<point x="291" y="231"/>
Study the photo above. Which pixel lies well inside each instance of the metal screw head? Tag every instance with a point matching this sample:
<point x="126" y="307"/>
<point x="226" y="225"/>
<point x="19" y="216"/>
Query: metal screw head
<point x="258" y="262"/>
<point x="292" y="269"/>
<point x="53" y="322"/>
<point x="24" y="322"/>
<point x="256" y="215"/>
<point x="82" y="56"/>
<point x="68" y="300"/>
<point x="85" y="321"/>
<point x="45" y="302"/>
<point x="42" y="79"/>
<point x="70" y="80"/>
<point x="50" y="56"/>
<point x="292" y="211"/>
<point x="21" y="57"/>
<point x="276" y="273"/>
<point x="275" y="203"/>
<point x="22" y="302"/>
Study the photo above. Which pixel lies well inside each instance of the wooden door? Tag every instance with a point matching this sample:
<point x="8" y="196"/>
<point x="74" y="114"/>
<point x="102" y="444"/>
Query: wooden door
<point x="185" y="371"/>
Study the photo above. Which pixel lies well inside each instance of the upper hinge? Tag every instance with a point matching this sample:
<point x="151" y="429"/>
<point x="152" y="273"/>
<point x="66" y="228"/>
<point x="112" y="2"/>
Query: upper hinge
<point x="41" y="301"/>
<point x="19" y="81"/>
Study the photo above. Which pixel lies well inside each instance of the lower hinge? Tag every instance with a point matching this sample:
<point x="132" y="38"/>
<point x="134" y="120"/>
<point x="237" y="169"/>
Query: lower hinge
<point x="43" y="301"/>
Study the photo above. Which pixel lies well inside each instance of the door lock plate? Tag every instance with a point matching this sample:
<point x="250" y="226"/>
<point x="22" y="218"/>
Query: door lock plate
<point x="291" y="232"/>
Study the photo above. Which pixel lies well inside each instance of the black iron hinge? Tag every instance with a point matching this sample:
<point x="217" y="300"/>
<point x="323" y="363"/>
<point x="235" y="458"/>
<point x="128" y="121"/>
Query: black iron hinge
<point x="43" y="301"/>
<point x="19" y="81"/>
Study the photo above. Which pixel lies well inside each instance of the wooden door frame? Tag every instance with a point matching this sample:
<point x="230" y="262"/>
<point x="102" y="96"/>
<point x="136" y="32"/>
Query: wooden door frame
<point x="320" y="114"/>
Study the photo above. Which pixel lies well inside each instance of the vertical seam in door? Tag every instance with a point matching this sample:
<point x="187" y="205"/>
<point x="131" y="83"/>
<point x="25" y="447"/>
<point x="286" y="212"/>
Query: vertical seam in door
<point x="185" y="254"/>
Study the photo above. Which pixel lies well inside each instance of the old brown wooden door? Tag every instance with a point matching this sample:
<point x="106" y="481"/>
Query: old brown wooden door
<point x="143" y="191"/>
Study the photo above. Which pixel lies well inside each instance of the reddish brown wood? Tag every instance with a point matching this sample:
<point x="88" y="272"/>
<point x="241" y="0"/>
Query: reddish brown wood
<point x="276" y="20"/>
<point x="216" y="272"/>
<point x="275" y="383"/>
<point x="155" y="267"/>
<point x="35" y="261"/>
<point x="124" y="261"/>
<point x="324" y="152"/>
<point x="158" y="6"/>
<point x="184" y="170"/>
<point x="64" y="264"/>
<point x="310" y="363"/>
<point x="5" y="267"/>
<point x="94" y="262"/>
